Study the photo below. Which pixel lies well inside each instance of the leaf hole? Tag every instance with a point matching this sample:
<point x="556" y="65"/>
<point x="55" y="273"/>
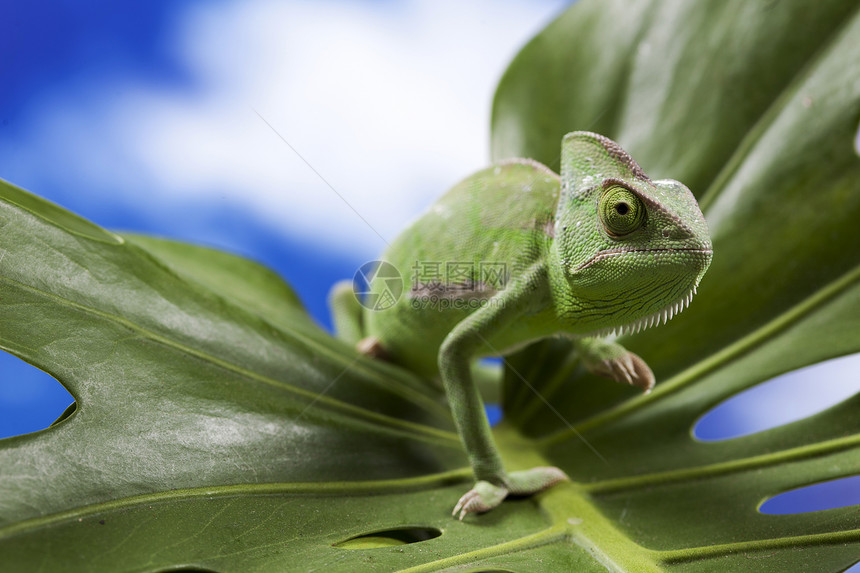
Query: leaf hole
<point x="857" y="151"/>
<point x="787" y="398"/>
<point x="494" y="413"/>
<point x="831" y="494"/>
<point x="390" y="538"/>
<point x="488" y="373"/>
<point x="30" y="399"/>
<point x="853" y="569"/>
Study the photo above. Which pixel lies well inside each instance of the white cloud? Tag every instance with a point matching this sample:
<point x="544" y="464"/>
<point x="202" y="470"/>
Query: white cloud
<point x="389" y="102"/>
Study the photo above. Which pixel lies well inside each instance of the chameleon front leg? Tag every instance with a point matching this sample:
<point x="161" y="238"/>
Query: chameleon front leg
<point x="455" y="354"/>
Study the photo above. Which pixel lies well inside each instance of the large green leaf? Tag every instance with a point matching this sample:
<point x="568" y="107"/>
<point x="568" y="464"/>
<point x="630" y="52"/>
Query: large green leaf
<point x="217" y="428"/>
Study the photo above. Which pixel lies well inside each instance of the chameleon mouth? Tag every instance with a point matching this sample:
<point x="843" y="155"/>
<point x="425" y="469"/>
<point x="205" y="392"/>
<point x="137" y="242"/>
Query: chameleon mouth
<point x="609" y="253"/>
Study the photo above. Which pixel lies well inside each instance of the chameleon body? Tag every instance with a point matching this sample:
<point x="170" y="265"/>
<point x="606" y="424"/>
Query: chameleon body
<point x="515" y="253"/>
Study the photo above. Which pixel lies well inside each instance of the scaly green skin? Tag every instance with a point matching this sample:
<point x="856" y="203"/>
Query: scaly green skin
<point x="600" y="249"/>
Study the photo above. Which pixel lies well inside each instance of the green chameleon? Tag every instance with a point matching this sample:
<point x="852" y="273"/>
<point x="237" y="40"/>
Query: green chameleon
<point x="516" y="253"/>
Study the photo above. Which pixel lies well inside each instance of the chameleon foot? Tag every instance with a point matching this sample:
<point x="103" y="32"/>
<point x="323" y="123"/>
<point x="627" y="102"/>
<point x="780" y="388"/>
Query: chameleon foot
<point x="612" y="360"/>
<point x="628" y="368"/>
<point x="372" y="346"/>
<point x="485" y="496"/>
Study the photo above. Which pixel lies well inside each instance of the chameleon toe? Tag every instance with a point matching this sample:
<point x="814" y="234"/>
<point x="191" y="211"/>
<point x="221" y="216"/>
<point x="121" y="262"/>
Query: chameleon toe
<point x="483" y="497"/>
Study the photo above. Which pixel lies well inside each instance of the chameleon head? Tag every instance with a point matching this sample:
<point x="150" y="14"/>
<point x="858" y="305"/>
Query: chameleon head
<point x="630" y="251"/>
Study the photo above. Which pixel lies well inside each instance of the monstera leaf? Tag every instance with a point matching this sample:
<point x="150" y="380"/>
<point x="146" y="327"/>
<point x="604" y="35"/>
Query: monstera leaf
<point x="217" y="428"/>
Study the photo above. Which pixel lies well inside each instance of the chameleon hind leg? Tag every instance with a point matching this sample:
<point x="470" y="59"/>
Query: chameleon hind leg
<point x="346" y="313"/>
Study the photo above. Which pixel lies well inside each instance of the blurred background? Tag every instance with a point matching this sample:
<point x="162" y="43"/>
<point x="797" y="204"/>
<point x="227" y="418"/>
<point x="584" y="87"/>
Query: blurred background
<point x="262" y="128"/>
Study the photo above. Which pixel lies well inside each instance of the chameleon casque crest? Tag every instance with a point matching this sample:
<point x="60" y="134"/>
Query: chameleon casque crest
<point x="600" y="250"/>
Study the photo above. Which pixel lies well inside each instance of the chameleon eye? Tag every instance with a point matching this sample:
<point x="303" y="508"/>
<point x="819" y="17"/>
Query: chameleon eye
<point x="621" y="211"/>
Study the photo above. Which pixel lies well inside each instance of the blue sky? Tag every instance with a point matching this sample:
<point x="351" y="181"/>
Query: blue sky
<point x="155" y="117"/>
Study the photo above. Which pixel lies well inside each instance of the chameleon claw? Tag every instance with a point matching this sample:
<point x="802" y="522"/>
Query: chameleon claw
<point x="642" y="376"/>
<point x="622" y="369"/>
<point x="629" y="369"/>
<point x="483" y="497"/>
